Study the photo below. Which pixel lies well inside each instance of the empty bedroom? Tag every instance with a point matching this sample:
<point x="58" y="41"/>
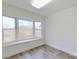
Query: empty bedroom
<point x="39" y="29"/>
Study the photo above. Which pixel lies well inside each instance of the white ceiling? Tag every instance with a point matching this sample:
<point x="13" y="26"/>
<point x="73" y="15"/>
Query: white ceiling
<point x="53" y="6"/>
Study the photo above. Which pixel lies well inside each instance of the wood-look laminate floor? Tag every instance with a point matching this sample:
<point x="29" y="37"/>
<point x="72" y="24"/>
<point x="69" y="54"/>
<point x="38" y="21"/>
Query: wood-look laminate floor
<point x="43" y="52"/>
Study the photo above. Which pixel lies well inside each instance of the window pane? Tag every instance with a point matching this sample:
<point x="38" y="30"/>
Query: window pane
<point x="38" y="31"/>
<point x="8" y="23"/>
<point x="8" y="29"/>
<point x="25" y="29"/>
<point x="9" y="36"/>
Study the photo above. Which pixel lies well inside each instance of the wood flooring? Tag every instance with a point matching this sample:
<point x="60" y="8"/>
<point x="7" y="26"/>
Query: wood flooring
<point x="42" y="52"/>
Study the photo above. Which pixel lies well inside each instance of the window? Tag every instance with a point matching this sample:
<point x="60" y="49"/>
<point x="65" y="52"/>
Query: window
<point x="25" y="29"/>
<point x="8" y="29"/>
<point x="38" y="31"/>
<point x="16" y="30"/>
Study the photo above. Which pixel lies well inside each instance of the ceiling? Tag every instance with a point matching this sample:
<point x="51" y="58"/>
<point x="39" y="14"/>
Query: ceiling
<point x="55" y="5"/>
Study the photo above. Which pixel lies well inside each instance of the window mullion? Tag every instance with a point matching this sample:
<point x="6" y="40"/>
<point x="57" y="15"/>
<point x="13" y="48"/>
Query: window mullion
<point x="33" y="29"/>
<point x="16" y="28"/>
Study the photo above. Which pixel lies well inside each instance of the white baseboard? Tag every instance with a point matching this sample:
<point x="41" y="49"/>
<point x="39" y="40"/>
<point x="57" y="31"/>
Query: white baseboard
<point x="72" y="54"/>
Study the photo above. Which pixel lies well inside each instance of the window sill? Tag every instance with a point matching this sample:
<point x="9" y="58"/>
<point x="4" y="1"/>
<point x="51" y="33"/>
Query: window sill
<point x="19" y="42"/>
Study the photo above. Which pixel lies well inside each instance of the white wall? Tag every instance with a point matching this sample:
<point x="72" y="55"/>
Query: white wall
<point x="61" y="30"/>
<point x="12" y="11"/>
